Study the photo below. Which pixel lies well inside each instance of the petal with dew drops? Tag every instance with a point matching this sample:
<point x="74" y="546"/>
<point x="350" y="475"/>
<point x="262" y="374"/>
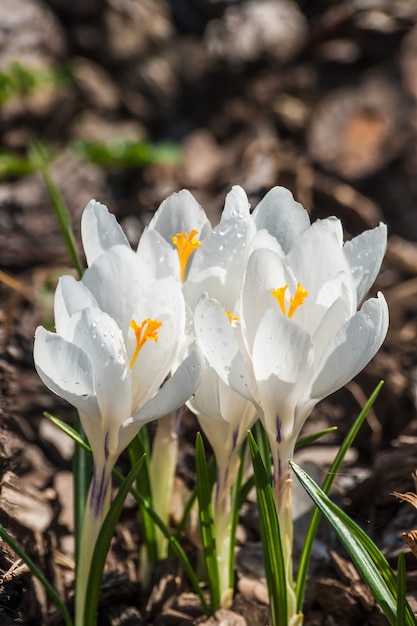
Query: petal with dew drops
<point x="66" y="370"/>
<point x="100" y="337"/>
<point x="216" y="337"/>
<point x="352" y="348"/>
<point x="282" y="358"/>
<point x="180" y="213"/>
<point x="70" y="296"/>
<point x="158" y="254"/>
<point x="281" y="216"/>
<point x="100" y="231"/>
<point x="125" y="277"/>
<point x="364" y="254"/>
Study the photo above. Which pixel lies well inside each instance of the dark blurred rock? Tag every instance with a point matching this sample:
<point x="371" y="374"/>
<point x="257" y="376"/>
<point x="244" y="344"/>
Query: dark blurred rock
<point x="77" y="9"/>
<point x="29" y="34"/>
<point x="355" y="131"/>
<point x="247" y="32"/>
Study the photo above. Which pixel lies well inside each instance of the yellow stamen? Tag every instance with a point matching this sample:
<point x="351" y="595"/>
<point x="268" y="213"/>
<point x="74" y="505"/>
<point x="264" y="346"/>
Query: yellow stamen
<point x="279" y="295"/>
<point x="232" y="318"/>
<point x="186" y="244"/>
<point x="300" y="295"/>
<point x="148" y="330"/>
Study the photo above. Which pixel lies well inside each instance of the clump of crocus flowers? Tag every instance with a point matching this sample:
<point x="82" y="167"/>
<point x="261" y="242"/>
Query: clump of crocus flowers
<point x="260" y="317"/>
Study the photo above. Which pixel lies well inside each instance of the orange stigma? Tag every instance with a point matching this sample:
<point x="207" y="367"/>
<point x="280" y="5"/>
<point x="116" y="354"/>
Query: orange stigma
<point x="148" y="330"/>
<point x="186" y="243"/>
<point x="297" y="300"/>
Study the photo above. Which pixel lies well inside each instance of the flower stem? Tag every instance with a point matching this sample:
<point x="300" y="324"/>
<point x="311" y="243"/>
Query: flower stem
<point x="162" y="472"/>
<point x="98" y="503"/>
<point x="223" y="521"/>
<point x="281" y="454"/>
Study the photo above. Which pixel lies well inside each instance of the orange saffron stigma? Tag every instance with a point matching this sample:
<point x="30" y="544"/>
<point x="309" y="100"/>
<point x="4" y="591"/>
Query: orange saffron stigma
<point x="148" y="330"/>
<point x="297" y="300"/>
<point x="186" y="244"/>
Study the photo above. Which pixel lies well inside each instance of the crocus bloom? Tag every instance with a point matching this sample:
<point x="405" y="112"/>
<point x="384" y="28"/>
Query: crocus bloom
<point x="302" y="336"/>
<point x="118" y="336"/>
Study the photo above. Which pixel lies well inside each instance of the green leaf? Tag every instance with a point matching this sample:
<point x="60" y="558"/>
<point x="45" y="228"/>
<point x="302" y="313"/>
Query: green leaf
<point x="305" y="441"/>
<point x="125" y="153"/>
<point x="401" y="592"/>
<point x="16" y="547"/>
<point x="40" y="158"/>
<point x="204" y="488"/>
<point x="103" y="544"/>
<point x="328" y="482"/>
<point x="81" y="469"/>
<point x="139" y="446"/>
<point x="271" y="539"/>
<point x="365" y="555"/>
<point x="236" y="506"/>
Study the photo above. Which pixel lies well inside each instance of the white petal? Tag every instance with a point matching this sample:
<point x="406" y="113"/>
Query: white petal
<point x="352" y="348"/>
<point x="118" y="280"/>
<point x="217" y="265"/>
<point x="218" y="342"/>
<point x="281" y="216"/>
<point x="180" y="213"/>
<point x="364" y="254"/>
<point x="158" y="254"/>
<point x="236" y="205"/>
<point x="100" y="337"/>
<point x="163" y="301"/>
<point x="172" y="395"/>
<point x="265" y="271"/>
<point x="318" y="255"/>
<point x="100" y="231"/>
<point x="70" y="296"/>
<point x="66" y="370"/>
<point x="282" y="360"/>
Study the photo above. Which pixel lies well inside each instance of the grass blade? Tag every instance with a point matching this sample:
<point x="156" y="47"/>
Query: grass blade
<point x="139" y="446"/>
<point x="40" y="158"/>
<point x="81" y="469"/>
<point x="271" y="539"/>
<point x="331" y="475"/>
<point x="401" y="592"/>
<point x="204" y="488"/>
<point x="366" y="556"/>
<point x="305" y="441"/>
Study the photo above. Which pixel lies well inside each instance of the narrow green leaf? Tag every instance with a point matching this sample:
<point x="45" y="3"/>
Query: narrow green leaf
<point x="365" y="555"/>
<point x="305" y="441"/>
<point x="39" y="156"/>
<point x="16" y="547"/>
<point x="262" y="443"/>
<point x="328" y="482"/>
<point x="236" y="506"/>
<point x="68" y="430"/>
<point x="401" y="592"/>
<point x="139" y="446"/>
<point x="81" y="468"/>
<point x="271" y="539"/>
<point x="103" y="544"/>
<point x="211" y="466"/>
<point x="208" y="537"/>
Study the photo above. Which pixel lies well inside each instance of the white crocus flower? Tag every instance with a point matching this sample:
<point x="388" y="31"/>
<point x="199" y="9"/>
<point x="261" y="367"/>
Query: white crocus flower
<point x="302" y="336"/>
<point x="118" y="336"/>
